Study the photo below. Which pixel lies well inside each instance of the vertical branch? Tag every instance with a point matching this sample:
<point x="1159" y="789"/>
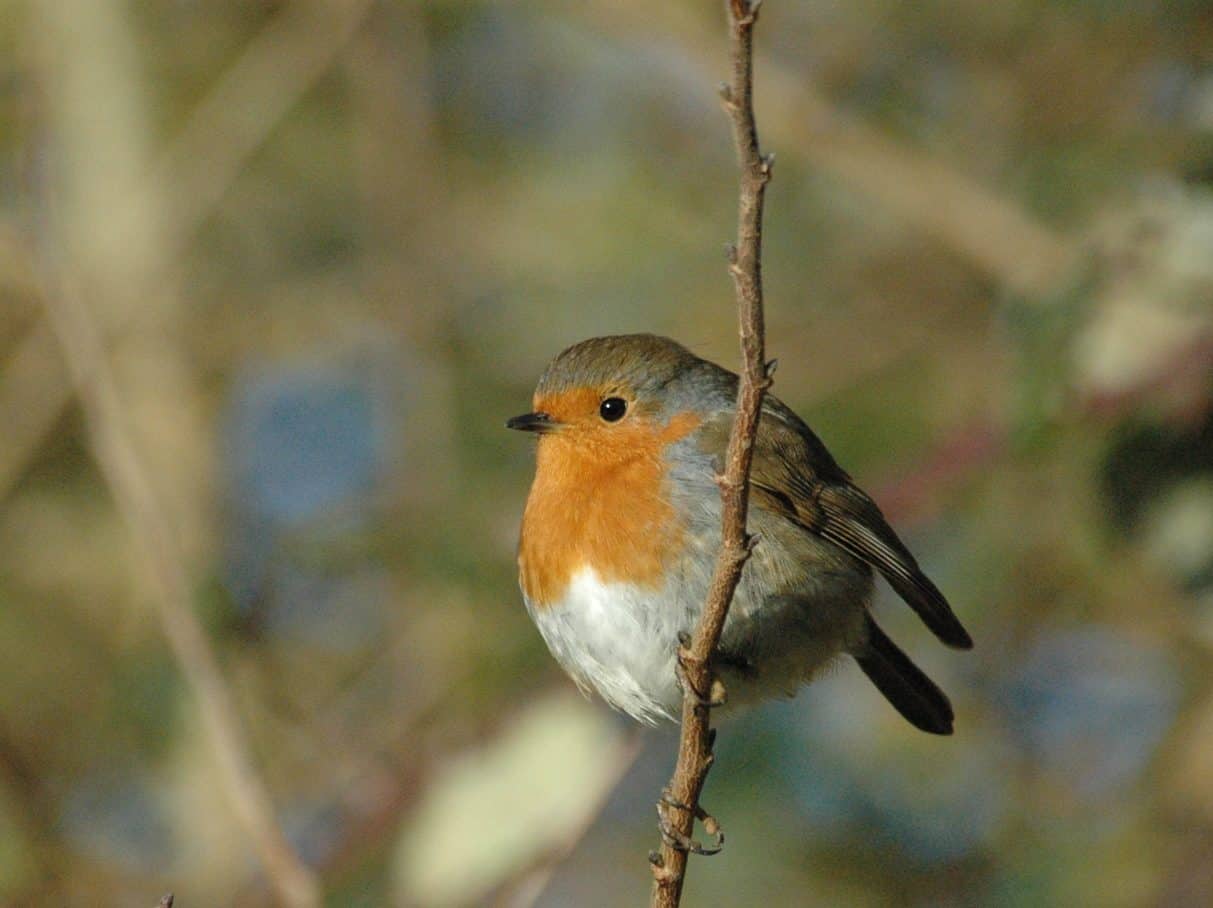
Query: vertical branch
<point x="679" y="806"/>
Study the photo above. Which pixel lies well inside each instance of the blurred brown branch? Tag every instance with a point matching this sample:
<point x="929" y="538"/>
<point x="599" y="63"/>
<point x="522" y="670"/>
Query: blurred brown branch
<point x="992" y="231"/>
<point x="149" y="524"/>
<point x="235" y="118"/>
<point x="244" y="106"/>
<point x="33" y="394"/>
<point x="679" y="806"/>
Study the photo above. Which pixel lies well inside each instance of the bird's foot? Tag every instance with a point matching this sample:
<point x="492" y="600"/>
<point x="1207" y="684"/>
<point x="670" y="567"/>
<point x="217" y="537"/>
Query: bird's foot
<point x="675" y="839"/>
<point x="716" y="694"/>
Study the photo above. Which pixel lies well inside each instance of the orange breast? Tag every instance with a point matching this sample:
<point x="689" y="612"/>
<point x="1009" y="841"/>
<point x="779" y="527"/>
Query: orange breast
<point x="598" y="501"/>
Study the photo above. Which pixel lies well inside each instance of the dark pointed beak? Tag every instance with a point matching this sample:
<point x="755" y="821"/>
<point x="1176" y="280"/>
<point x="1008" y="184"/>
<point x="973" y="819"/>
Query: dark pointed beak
<point x="532" y="422"/>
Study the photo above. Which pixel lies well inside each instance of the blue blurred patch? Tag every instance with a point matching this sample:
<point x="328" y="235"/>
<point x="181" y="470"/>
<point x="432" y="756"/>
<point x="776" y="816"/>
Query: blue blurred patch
<point x="301" y="441"/>
<point x="1092" y="706"/>
<point x="856" y="772"/>
<point x="119" y="821"/>
<point x="304" y="449"/>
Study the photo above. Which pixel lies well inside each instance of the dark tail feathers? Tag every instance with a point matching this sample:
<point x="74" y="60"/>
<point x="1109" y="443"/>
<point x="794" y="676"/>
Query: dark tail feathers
<point x="912" y="693"/>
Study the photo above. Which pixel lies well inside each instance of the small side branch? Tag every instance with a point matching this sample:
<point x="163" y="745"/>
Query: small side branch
<point x="679" y="805"/>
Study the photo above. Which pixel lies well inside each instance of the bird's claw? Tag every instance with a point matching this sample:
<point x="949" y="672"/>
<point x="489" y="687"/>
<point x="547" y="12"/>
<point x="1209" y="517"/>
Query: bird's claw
<point x="716" y="696"/>
<point x="675" y="839"/>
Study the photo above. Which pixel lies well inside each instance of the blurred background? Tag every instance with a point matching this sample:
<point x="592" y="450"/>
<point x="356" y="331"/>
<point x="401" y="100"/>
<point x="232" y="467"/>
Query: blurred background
<point x="272" y="277"/>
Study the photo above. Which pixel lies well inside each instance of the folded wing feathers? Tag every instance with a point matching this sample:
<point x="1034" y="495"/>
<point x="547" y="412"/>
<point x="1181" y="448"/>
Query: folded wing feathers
<point x="823" y="500"/>
<point x="850" y="519"/>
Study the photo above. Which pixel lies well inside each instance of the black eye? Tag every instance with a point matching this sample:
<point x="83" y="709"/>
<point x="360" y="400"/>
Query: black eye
<point x="613" y="408"/>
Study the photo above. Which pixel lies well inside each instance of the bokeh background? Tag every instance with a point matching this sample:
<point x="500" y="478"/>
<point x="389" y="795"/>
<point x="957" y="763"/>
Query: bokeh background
<point x="272" y="276"/>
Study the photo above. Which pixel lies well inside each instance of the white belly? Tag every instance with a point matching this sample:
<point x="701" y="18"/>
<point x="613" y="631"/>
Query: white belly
<point x="618" y="640"/>
<point x="621" y="641"/>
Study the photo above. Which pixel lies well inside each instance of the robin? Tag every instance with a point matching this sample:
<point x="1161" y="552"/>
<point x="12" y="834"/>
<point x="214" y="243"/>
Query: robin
<point x="623" y="523"/>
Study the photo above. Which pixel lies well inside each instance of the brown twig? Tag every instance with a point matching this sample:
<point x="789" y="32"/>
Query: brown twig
<point x="679" y="805"/>
<point x="153" y="532"/>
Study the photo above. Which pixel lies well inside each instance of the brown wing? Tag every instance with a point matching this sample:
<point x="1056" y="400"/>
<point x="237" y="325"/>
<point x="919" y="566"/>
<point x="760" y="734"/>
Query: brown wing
<point x="793" y="474"/>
